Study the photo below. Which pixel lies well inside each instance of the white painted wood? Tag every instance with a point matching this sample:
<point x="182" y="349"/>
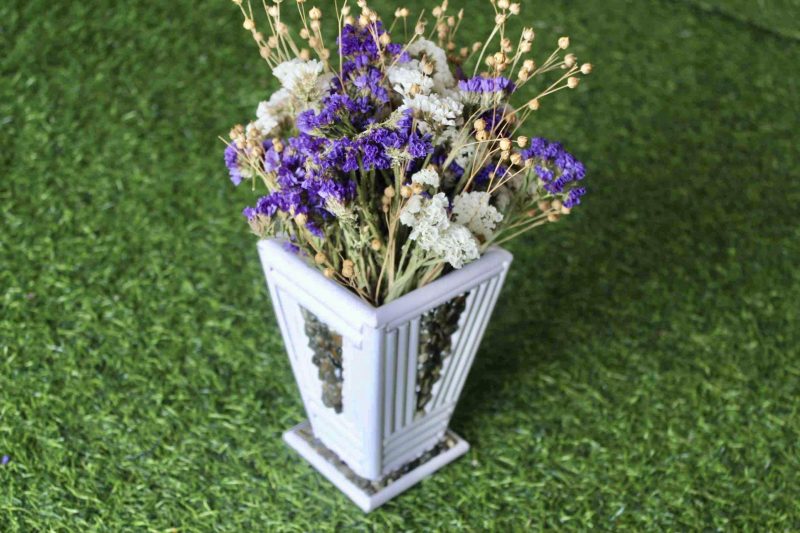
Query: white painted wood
<point x="379" y="429"/>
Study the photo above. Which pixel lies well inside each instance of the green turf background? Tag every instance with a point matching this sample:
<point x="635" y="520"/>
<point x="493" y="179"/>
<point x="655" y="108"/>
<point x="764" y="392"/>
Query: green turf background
<point x="642" y="370"/>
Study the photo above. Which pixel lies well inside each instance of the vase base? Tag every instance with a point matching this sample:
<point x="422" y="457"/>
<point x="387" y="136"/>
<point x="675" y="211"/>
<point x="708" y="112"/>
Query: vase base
<point x="369" y="495"/>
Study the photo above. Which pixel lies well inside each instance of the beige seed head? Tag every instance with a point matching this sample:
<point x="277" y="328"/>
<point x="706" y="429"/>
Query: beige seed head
<point x="533" y="105"/>
<point x="544" y="205"/>
<point x="500" y="19"/>
<point x="320" y="258"/>
<point x="505" y="144"/>
<point x="586" y="68"/>
<point x="304" y="33"/>
<point x="405" y="191"/>
<point x="314" y="25"/>
<point x="528" y="34"/>
<point x="516" y="159"/>
<point x="419" y="29"/>
<point x="329" y="273"/>
<point x="553" y="217"/>
<point x="426" y="66"/>
<point x="522" y="141"/>
<point x="273" y="11"/>
<point x="347" y="268"/>
<point x="236" y="131"/>
<point x="375" y="245"/>
<point x="385" y="39"/>
<point x="503" y="4"/>
<point x="529" y="64"/>
<point x="479" y="125"/>
<point x="249" y="24"/>
<point x="305" y="55"/>
<point x="563" y="43"/>
<point x="389" y="192"/>
<point x="566" y="210"/>
<point x="417" y="188"/>
<point x="570" y="60"/>
<point x="345" y="11"/>
<point x="264" y="51"/>
<point x="476" y="46"/>
<point x="300" y="219"/>
<point x="481" y="136"/>
<point x="514" y="9"/>
<point x="573" y="82"/>
<point x="315" y="13"/>
<point x="557" y="204"/>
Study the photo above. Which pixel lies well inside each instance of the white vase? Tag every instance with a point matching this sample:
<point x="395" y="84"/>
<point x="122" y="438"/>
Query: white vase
<point x="359" y="377"/>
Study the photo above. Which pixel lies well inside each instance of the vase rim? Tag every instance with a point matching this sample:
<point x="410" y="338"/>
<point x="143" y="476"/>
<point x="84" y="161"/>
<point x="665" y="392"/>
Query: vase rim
<point x="442" y="289"/>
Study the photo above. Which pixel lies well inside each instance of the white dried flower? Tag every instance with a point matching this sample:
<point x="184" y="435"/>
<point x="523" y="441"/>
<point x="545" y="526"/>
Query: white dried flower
<point x="434" y="111"/>
<point x="405" y="76"/>
<point x="426" y="176"/>
<point x="302" y="78"/>
<point x="434" y="233"/>
<point x="457" y="246"/>
<point x="472" y="209"/>
<point x="270" y="113"/>
<point x="442" y="77"/>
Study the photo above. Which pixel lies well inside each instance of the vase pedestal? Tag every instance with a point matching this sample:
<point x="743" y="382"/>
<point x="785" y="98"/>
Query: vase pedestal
<point x="369" y="495"/>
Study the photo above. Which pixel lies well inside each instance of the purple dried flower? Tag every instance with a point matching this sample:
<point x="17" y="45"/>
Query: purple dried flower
<point x="249" y="213"/>
<point x="479" y="84"/>
<point x="574" y="197"/>
<point x="232" y="162"/>
<point x="4" y="461"/>
<point x="556" y="168"/>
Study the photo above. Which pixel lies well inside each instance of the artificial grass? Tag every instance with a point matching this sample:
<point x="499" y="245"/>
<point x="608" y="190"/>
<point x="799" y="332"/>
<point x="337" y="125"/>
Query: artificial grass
<point x="642" y="370"/>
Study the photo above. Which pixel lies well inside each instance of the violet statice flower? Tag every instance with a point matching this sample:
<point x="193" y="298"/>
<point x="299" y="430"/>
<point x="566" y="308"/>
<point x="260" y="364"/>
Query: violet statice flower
<point x="289" y="246"/>
<point x="4" y="461"/>
<point x="232" y="162"/>
<point x="479" y="84"/>
<point x="249" y="213"/>
<point x="484" y="175"/>
<point x="556" y="168"/>
<point x="574" y="197"/>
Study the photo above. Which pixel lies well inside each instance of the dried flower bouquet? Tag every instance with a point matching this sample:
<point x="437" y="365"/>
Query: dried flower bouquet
<point x="386" y="163"/>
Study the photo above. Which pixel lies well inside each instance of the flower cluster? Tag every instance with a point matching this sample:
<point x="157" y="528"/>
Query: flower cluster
<point x="394" y="166"/>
